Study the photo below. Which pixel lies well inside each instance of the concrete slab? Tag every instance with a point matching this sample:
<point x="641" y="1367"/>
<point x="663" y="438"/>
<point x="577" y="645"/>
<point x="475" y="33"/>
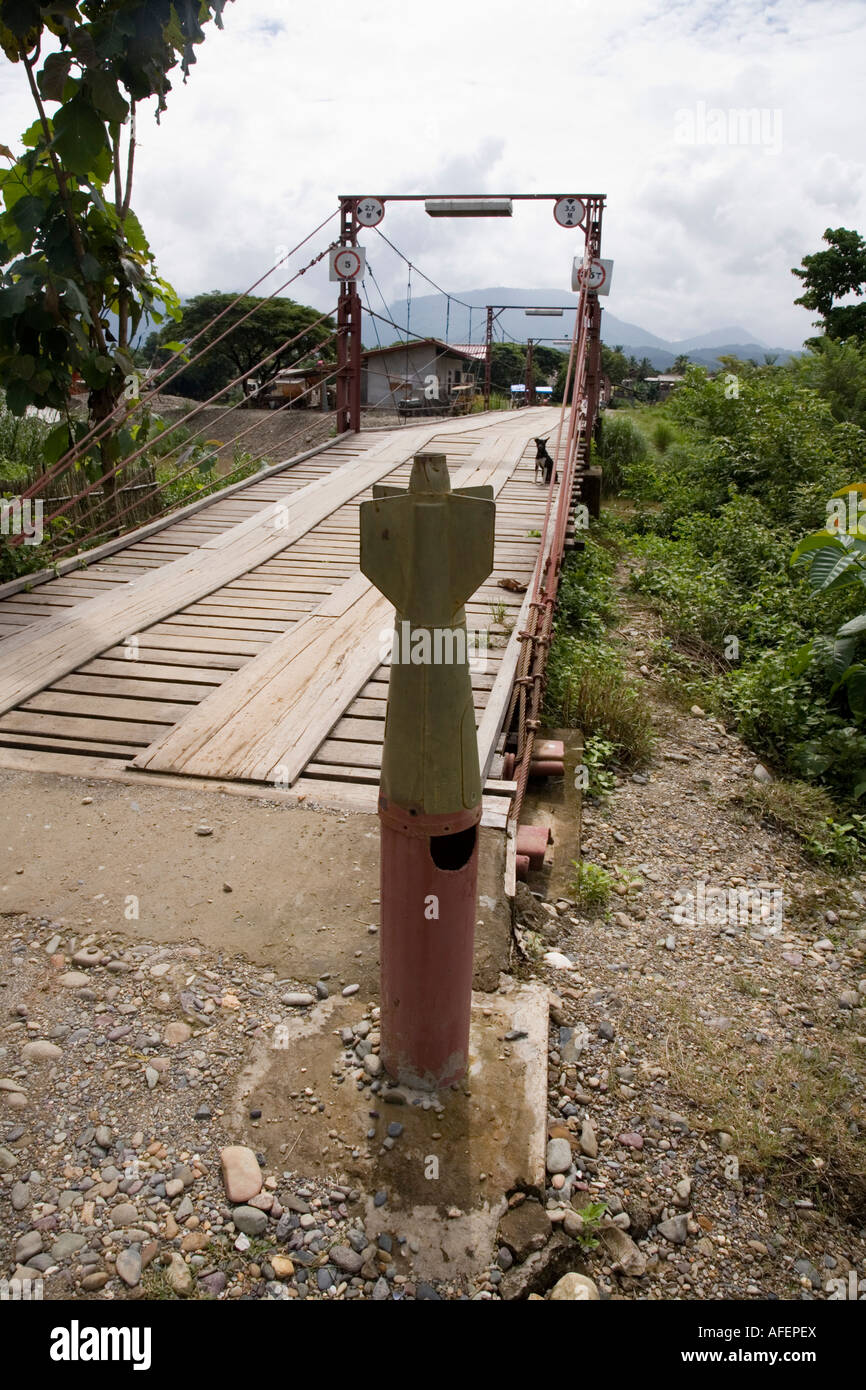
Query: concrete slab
<point x="460" y="1152"/>
<point x="293" y="889"/>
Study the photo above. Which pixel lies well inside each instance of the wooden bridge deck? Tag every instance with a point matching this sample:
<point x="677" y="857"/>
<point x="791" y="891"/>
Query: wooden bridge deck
<point x="241" y="644"/>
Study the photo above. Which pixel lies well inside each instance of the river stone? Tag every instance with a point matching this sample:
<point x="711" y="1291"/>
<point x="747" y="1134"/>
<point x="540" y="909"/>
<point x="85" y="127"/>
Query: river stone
<point x="178" y="1276"/>
<point x="66" y="1245"/>
<point x="623" y="1251"/>
<point x="524" y="1229"/>
<point x="674" y="1230"/>
<point x="242" y="1175"/>
<point x="574" y="1288"/>
<point x="250" y="1220"/>
<point x="20" y="1196"/>
<point x="344" y="1258"/>
<point x="558" y="1156"/>
<point x="41" y="1051"/>
<point x="128" y="1265"/>
<point x="176" y="1033"/>
<point x="27" y="1246"/>
<point x="124" y="1214"/>
<point x="588" y="1140"/>
<point x="73" y="979"/>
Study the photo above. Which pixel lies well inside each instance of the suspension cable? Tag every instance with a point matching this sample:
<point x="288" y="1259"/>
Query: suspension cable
<point x="102" y="427"/>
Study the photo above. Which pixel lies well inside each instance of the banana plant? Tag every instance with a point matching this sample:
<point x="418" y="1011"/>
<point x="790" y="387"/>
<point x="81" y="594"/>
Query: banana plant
<point x="835" y="558"/>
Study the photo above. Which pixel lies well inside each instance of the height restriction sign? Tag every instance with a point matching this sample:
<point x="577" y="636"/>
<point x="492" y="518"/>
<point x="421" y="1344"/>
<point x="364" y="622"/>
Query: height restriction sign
<point x="569" y="212"/>
<point x="369" y="211"/>
<point x="347" y="263"/>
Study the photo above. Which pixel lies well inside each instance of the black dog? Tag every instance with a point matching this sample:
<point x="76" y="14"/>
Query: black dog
<point x="543" y="461"/>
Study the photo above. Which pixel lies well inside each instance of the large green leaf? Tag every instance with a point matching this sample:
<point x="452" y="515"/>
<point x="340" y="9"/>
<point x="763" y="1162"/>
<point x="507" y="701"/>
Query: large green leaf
<point x="14" y="297"/>
<point x="800" y="661"/>
<point x="816" y="541"/>
<point x="105" y="95"/>
<point x="829" y="568"/>
<point x="853" y="628"/>
<point x="79" y="135"/>
<point x="52" y="78"/>
<point x="57" y="443"/>
<point x="855" y="686"/>
<point x="843" y="655"/>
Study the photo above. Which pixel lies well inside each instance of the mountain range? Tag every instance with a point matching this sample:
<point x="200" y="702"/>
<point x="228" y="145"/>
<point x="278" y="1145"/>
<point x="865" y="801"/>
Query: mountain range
<point x="462" y="320"/>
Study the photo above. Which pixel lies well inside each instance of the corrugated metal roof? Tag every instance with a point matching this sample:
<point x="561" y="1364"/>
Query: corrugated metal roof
<point x="472" y="350"/>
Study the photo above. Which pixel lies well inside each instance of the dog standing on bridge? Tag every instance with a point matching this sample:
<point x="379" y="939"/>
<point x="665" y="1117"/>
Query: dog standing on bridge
<point x="543" y="461"/>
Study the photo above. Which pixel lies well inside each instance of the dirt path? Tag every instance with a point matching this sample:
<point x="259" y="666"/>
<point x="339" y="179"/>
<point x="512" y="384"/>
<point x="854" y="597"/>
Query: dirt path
<point x="706" y="1060"/>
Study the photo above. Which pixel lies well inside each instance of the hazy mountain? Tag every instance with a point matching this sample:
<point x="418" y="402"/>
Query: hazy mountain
<point x="433" y="316"/>
<point x="718" y="338"/>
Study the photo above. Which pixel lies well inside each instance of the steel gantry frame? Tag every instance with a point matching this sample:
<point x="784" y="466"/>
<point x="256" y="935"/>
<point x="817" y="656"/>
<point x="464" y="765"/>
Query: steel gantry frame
<point x="571" y="455"/>
<point x="349" y="324"/>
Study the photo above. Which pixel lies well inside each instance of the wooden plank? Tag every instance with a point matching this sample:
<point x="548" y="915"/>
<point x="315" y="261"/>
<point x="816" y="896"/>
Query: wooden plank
<point x="167" y="656"/>
<point x="292" y="680"/>
<point x="142" y="673"/>
<point x="69" y="727"/>
<point x="151" y="527"/>
<point x="113" y="686"/>
<point x="497" y="704"/>
<point x="55" y="646"/>
<point x="102" y="706"/>
<point x="272" y="716"/>
<point x="69" y="747"/>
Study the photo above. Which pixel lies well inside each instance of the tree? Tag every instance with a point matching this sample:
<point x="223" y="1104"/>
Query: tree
<point x="837" y="371"/>
<point x="274" y="321"/>
<point x="830" y="275"/>
<point x="79" y="275"/>
<point x="682" y="362"/>
<point x="507" y="365"/>
<point x="614" y="364"/>
<point x="547" y="362"/>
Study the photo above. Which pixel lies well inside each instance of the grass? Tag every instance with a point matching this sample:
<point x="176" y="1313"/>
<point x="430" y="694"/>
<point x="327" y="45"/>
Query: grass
<point x="807" y="812"/>
<point x="789" y="1110"/>
<point x="588" y="689"/>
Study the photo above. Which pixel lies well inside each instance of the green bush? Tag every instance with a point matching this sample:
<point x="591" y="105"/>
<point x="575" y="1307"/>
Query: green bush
<point x="663" y="435"/>
<point x="621" y="446"/>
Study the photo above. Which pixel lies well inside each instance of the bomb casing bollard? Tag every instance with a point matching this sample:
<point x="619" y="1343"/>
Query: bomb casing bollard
<point x="428" y="549"/>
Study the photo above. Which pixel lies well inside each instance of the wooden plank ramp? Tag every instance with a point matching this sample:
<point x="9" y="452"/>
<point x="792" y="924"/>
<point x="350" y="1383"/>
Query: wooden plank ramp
<point x="137" y="687"/>
<point x="267" y="721"/>
<point x="58" y="644"/>
<point x="23" y="602"/>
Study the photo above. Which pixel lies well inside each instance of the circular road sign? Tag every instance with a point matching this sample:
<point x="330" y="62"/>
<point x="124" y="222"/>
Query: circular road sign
<point x="596" y="278"/>
<point x="569" y="212"/>
<point x="369" y="211"/>
<point x="347" y="264"/>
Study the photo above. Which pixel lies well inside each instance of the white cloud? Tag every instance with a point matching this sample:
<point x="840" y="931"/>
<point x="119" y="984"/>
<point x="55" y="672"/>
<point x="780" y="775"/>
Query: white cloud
<point x="288" y="107"/>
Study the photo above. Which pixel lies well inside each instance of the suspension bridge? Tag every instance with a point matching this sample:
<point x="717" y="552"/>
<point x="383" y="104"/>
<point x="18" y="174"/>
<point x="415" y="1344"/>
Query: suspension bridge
<point x="235" y="644"/>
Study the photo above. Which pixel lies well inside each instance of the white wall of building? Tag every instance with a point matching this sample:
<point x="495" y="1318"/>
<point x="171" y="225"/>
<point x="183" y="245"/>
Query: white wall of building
<point x="383" y="375"/>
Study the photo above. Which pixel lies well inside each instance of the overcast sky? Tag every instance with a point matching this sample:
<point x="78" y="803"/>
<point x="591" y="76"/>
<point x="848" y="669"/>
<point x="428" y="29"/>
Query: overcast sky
<point x="291" y="105"/>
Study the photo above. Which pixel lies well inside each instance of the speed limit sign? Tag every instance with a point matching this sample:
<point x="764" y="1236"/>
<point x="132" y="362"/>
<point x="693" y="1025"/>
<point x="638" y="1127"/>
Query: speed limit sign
<point x="569" y="212"/>
<point x="369" y="211"/>
<point x="347" y="263"/>
<point x="598" y="278"/>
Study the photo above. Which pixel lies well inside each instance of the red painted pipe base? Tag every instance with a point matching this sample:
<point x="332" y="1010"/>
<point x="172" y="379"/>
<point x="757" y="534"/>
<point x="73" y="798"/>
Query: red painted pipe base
<point x="428" y="892"/>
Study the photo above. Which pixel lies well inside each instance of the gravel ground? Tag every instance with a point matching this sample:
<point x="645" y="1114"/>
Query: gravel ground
<point x="706" y="1084"/>
<point x="706" y="1075"/>
<point x="117" y="1068"/>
